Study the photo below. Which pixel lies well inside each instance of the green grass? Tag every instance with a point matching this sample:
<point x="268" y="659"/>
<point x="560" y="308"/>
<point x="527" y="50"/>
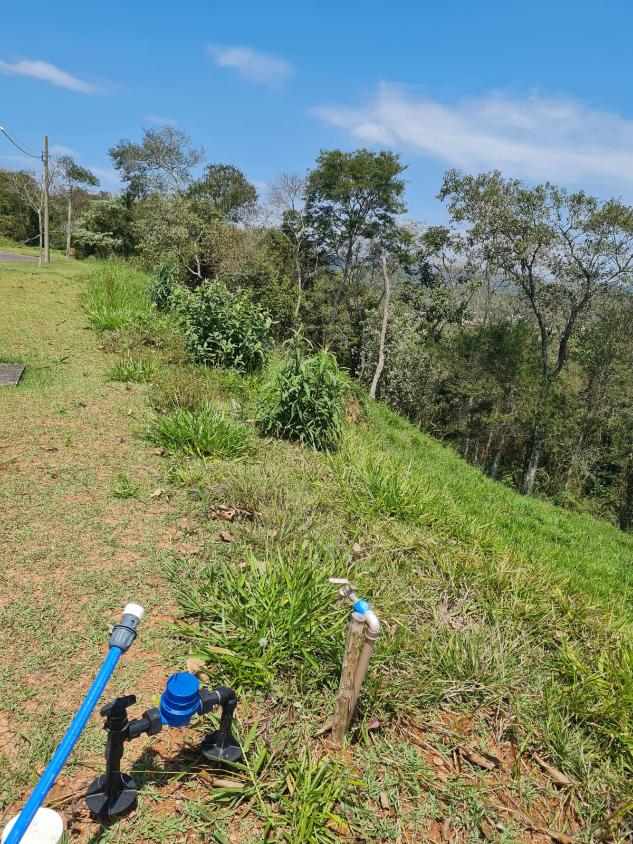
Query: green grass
<point x="506" y="621"/>
<point x="140" y="370"/>
<point x="203" y="432"/>
<point x="116" y="296"/>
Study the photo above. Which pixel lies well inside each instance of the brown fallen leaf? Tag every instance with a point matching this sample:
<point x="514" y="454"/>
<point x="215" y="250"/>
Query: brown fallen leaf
<point x="157" y="493"/>
<point x="476" y="758"/>
<point x="486" y="830"/>
<point x="556" y="775"/>
<point x="195" y="665"/>
<point x="357" y="548"/>
<point x="225" y="536"/>
<point x="158" y="452"/>
<point x="384" y="800"/>
<point x="373" y="723"/>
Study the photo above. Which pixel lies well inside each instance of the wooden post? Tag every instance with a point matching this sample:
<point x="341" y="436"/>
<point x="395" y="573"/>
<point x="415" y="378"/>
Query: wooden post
<point x="47" y="245"/>
<point x="344" y="707"/>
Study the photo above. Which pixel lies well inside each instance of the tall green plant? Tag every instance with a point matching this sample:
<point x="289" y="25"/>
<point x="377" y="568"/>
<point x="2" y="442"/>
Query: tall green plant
<point x="304" y="398"/>
<point x="224" y="328"/>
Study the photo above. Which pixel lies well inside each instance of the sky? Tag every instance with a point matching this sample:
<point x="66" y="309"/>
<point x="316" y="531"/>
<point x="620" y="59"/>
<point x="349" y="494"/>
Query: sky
<point x="540" y="90"/>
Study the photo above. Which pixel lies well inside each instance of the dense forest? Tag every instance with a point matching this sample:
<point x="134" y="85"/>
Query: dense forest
<point x="506" y="332"/>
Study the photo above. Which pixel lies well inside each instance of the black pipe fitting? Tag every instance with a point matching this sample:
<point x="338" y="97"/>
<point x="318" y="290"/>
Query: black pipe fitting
<point x="220" y="746"/>
<point x="114" y="793"/>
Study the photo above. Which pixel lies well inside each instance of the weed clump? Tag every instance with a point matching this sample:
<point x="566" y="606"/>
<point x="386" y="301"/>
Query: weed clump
<point x="267" y="620"/>
<point x="116" y="296"/>
<point x="140" y="370"/>
<point x="224" y="328"/>
<point x="304" y="398"/>
<point x="203" y="432"/>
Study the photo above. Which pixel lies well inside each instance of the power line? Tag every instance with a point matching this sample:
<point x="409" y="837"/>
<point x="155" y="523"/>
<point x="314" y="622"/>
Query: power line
<point x="17" y="145"/>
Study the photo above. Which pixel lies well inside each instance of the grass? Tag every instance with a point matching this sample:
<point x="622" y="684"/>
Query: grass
<point x="116" y="296"/>
<point x="506" y="621"/>
<point x="203" y="432"/>
<point x="139" y="370"/>
<point x="267" y="622"/>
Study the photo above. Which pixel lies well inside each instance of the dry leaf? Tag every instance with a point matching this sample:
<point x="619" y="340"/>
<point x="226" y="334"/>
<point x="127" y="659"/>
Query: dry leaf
<point x="373" y="723"/>
<point x="357" y="548"/>
<point x="195" y="665"/>
<point x="384" y="800"/>
<point x="130" y="412"/>
<point x="487" y="831"/>
<point x="158" y="452"/>
<point x="225" y="536"/>
<point x="476" y="758"/>
<point x="553" y="772"/>
<point x="157" y="493"/>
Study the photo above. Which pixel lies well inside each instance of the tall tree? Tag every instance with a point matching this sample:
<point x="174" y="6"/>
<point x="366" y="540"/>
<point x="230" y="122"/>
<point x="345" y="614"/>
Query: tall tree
<point x="29" y="189"/>
<point x="73" y="176"/>
<point x="350" y="198"/>
<point x="286" y="195"/>
<point x="224" y="192"/>
<point x="161" y="162"/>
<point x="559" y="251"/>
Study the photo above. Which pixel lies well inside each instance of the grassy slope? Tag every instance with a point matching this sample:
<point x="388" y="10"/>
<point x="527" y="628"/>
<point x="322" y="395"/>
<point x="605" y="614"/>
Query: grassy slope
<point x="485" y="645"/>
<point x="595" y="556"/>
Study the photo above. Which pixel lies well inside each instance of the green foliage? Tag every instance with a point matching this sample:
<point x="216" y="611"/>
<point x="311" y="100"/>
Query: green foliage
<point x="124" y="487"/>
<point x="224" y="191"/>
<point x="116" y="296"/>
<point x="224" y="328"/>
<point x="105" y="230"/>
<point x="270" y="620"/>
<point x="374" y="485"/>
<point x="164" y="279"/>
<point x="140" y="370"/>
<point x="304" y="398"/>
<point x="203" y="432"/>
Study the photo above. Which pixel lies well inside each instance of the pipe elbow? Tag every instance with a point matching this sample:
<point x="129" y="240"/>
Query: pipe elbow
<point x="372" y="624"/>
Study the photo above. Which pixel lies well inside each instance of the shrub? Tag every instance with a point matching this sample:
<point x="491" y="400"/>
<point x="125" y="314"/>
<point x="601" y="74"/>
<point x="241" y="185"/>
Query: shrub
<point x="304" y="398"/>
<point x="163" y="283"/>
<point x="266" y="620"/>
<point x="203" y="432"/>
<point x="224" y="328"/>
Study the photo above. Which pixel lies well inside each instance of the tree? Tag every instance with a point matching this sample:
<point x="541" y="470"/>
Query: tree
<point x="74" y="175"/>
<point x="30" y="190"/>
<point x="559" y="251"/>
<point x="162" y="162"/>
<point x="105" y="229"/>
<point x="286" y="195"/>
<point x="350" y="198"/>
<point x="224" y="192"/>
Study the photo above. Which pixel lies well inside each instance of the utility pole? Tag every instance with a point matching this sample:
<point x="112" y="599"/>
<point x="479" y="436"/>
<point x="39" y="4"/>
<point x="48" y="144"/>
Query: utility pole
<point x="47" y="247"/>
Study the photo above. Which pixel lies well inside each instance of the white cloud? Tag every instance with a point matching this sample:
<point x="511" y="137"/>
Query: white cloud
<point x="48" y="73"/>
<point x="262" y="68"/>
<point x="529" y="136"/>
<point x="157" y="120"/>
<point x="59" y="149"/>
<point x="108" y="176"/>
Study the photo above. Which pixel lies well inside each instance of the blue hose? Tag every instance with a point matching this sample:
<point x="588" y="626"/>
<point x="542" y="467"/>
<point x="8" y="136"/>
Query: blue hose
<point x="65" y="747"/>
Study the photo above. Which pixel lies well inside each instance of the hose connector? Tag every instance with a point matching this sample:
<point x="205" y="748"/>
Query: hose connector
<point x="124" y="633"/>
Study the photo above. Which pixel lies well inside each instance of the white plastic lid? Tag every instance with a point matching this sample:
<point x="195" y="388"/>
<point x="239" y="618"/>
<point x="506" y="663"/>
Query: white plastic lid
<point x="134" y="609"/>
<point x="47" y="827"/>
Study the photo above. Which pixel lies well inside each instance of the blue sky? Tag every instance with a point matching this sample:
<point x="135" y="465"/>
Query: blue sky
<point x="539" y="90"/>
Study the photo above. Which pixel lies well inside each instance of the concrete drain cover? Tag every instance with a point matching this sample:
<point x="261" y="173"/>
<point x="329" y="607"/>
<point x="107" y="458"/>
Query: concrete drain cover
<point x="10" y="374"/>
